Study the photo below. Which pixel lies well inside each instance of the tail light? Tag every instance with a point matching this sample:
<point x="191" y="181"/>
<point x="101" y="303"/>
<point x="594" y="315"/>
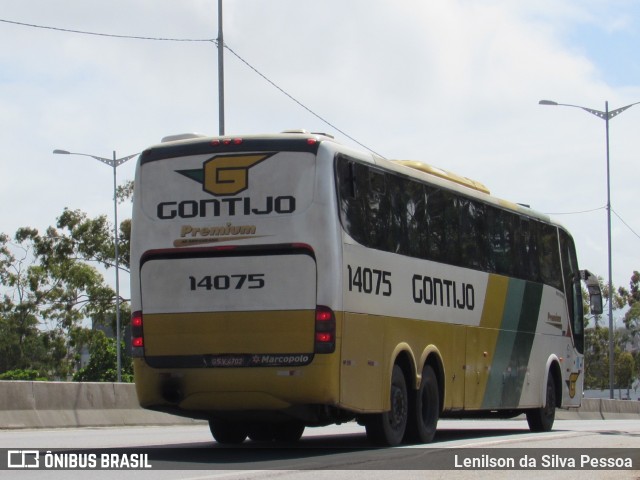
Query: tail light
<point x="226" y="141"/>
<point x="137" y="335"/>
<point x="325" y="330"/>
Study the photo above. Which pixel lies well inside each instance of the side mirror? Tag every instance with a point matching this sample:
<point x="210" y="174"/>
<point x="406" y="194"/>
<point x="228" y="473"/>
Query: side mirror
<point x="595" y="303"/>
<point x="595" y="294"/>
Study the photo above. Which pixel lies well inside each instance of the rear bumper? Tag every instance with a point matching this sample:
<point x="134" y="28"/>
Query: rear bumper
<point x="210" y="390"/>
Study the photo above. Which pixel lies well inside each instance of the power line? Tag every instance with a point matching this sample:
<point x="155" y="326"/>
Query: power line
<point x="135" y="37"/>
<point x="297" y="101"/>
<point x="595" y="210"/>
<point x="575" y="213"/>
<point x="211" y="40"/>
<point x="625" y="223"/>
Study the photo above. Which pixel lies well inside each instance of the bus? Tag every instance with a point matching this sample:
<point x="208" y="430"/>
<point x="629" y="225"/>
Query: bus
<point x="288" y="281"/>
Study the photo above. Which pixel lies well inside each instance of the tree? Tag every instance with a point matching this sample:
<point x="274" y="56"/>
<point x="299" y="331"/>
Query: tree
<point x="596" y="358"/>
<point x="51" y="282"/>
<point x="102" y="365"/>
<point x="625" y="370"/>
<point x="23" y="346"/>
<point x="626" y="363"/>
<point x="632" y="297"/>
<point x="632" y="319"/>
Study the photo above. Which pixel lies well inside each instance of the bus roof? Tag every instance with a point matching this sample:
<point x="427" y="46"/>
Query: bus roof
<point x="193" y="144"/>
<point x="304" y="141"/>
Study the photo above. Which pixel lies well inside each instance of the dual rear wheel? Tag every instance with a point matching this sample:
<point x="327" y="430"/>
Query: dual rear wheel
<point x="413" y="417"/>
<point x="229" y="432"/>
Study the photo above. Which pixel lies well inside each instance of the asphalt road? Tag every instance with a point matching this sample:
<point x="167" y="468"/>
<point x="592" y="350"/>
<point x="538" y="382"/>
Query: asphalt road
<point x="336" y="452"/>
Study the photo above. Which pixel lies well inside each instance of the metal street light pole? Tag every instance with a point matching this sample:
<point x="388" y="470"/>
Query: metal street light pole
<point x="114" y="163"/>
<point x="606" y="115"/>
<point x="220" y="72"/>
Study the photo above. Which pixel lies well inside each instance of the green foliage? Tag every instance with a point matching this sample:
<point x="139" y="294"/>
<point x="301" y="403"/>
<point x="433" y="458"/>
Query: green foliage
<point x="124" y="192"/>
<point x="50" y="283"/>
<point x="103" y="363"/>
<point x="596" y="358"/>
<point x="32" y="375"/>
<point x="632" y="296"/>
<point x="625" y="370"/>
<point x="626" y="367"/>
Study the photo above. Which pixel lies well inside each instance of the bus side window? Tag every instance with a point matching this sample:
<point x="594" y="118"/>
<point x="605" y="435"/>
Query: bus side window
<point x="442" y="227"/>
<point x="400" y="214"/>
<point x="550" y="270"/>
<point x="377" y="184"/>
<point x="527" y="244"/>
<point x="473" y="235"/>
<point x="353" y="209"/>
<point x="573" y="289"/>
<point x="501" y="251"/>
<point x="350" y="180"/>
<point x="415" y="211"/>
<point x="378" y="211"/>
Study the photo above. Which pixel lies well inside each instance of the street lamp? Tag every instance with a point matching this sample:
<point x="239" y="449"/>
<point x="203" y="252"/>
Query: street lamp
<point x="114" y="163"/>
<point x="220" y="41"/>
<point x="606" y="116"/>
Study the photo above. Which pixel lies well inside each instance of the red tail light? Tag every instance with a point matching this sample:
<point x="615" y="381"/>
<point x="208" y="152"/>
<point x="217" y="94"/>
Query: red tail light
<point x="226" y="141"/>
<point x="136" y="319"/>
<point x="325" y="330"/>
<point x="323" y="337"/>
<point x="137" y="335"/>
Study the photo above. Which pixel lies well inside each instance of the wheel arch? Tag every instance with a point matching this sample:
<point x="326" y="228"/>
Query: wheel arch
<point x="431" y="356"/>
<point x="404" y="358"/>
<point x="553" y="369"/>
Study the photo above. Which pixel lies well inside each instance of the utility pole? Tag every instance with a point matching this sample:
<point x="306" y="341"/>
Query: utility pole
<point x="220" y="72"/>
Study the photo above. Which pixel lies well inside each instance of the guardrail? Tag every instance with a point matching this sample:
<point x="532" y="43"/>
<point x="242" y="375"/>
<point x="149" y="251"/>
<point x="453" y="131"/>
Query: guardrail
<point x="26" y="404"/>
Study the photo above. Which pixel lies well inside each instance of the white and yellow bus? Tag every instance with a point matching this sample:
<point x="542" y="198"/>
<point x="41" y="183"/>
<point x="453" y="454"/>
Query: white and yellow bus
<point x="285" y="281"/>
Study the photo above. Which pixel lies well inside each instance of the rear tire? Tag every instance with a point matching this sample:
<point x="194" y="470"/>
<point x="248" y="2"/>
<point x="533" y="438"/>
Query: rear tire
<point x="424" y="409"/>
<point x="388" y="428"/>
<point x="541" y="419"/>
<point x="289" y="432"/>
<point x="228" y="432"/>
<point x="262" y="432"/>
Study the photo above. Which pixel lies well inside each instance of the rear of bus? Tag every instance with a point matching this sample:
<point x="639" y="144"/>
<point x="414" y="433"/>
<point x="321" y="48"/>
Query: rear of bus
<point x="229" y="238"/>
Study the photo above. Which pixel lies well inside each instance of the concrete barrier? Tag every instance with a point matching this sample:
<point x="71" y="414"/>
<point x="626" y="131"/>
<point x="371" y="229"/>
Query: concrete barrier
<point x="609" y="409"/>
<point x="74" y="404"/>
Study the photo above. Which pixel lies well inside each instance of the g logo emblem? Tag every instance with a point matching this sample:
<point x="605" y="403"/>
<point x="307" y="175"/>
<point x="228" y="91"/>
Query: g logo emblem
<point x="229" y="175"/>
<point x="573" y="378"/>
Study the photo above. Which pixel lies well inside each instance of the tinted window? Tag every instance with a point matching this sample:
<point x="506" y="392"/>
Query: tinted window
<point x="390" y="212"/>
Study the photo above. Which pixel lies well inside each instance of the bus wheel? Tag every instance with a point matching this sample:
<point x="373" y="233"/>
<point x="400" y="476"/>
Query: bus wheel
<point x="227" y="432"/>
<point x="289" y="432"/>
<point x="424" y="409"/>
<point x="541" y="419"/>
<point x="262" y="432"/>
<point x="388" y="428"/>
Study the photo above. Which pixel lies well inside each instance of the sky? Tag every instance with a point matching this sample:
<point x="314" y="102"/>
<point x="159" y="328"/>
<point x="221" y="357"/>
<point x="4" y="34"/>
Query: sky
<point x="453" y="83"/>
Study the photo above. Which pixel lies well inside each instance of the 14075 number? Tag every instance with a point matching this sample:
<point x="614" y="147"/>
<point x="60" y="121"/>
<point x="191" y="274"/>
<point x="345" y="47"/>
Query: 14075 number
<point x="369" y="280"/>
<point x="227" y="282"/>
